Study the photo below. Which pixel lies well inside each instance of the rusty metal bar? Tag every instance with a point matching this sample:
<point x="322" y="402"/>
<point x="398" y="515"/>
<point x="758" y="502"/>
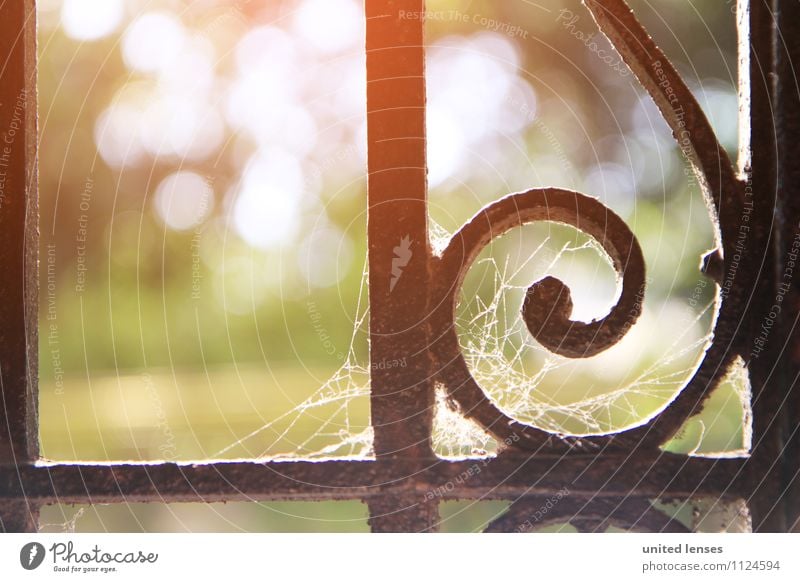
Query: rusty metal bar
<point x="399" y="251"/>
<point x="758" y="159"/>
<point x="18" y="251"/>
<point x="400" y="512"/>
<point x="669" y="477"/>
<point x="787" y="373"/>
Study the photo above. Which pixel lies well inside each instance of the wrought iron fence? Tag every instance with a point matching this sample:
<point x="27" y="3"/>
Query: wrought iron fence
<point x="590" y="482"/>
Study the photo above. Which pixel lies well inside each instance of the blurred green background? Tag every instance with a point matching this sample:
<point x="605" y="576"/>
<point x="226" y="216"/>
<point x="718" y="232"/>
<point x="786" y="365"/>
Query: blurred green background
<point x="203" y="223"/>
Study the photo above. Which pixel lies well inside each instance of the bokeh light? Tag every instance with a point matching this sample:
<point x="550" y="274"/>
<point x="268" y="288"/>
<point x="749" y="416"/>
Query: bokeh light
<point x="152" y="41"/>
<point x="183" y="200"/>
<point x="267" y="208"/>
<point x="90" y="20"/>
<point x="226" y="224"/>
<point x="329" y="25"/>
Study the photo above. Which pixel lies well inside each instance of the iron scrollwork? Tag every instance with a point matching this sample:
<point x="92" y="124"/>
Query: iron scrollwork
<point x="547" y="306"/>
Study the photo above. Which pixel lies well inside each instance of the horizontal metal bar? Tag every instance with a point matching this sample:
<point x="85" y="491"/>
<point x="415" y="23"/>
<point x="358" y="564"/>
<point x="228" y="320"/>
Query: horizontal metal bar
<point x="504" y="477"/>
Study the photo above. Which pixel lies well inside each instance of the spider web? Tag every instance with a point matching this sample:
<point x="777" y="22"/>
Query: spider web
<point x="338" y="432"/>
<point x="522" y="378"/>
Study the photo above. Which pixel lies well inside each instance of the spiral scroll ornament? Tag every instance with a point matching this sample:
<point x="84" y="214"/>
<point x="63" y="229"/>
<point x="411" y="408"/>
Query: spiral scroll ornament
<point x="547" y="306"/>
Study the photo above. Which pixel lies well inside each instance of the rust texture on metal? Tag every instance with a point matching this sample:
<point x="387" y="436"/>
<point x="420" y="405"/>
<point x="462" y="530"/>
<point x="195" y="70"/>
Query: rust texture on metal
<point x="18" y="516"/>
<point x="394" y="512"/>
<point x="402" y="399"/>
<point x="610" y="480"/>
<point x="724" y="193"/>
<point x="18" y="234"/>
<point x="18" y="252"/>
<point x="505" y="477"/>
<point x="772" y="95"/>
<point x="547" y="306"/>
<point x="399" y="252"/>
<point x="785" y="399"/>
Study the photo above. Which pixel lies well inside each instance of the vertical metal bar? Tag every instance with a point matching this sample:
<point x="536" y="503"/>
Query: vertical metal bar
<point x="787" y="97"/>
<point x="399" y="249"/>
<point x="18" y="250"/>
<point x="759" y="159"/>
